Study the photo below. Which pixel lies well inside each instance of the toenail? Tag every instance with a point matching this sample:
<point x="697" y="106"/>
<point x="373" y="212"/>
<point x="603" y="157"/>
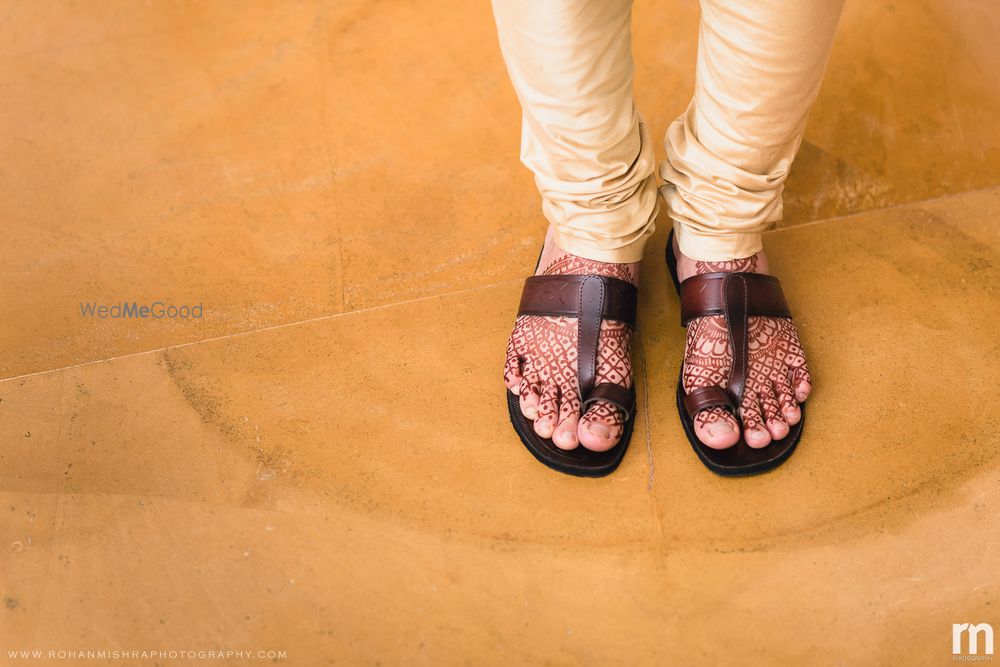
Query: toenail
<point x="530" y="413"/>
<point x="758" y="435"/>
<point x="567" y="438"/>
<point x="718" y="428"/>
<point x="597" y="428"/>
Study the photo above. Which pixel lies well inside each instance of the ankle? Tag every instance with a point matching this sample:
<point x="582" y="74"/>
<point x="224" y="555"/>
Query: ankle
<point x="556" y="261"/>
<point x="687" y="266"/>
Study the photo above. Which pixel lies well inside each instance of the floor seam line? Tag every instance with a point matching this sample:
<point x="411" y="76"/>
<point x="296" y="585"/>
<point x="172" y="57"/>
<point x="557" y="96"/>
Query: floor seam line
<point x="650" y="461"/>
<point x="916" y="202"/>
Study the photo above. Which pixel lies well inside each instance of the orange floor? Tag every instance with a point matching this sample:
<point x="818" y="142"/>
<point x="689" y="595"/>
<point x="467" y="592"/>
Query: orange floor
<point x="322" y="465"/>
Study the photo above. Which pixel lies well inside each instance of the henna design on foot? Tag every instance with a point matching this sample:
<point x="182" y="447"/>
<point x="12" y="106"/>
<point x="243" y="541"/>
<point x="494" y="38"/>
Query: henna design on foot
<point x="542" y="351"/>
<point x="776" y="363"/>
<point x="745" y="265"/>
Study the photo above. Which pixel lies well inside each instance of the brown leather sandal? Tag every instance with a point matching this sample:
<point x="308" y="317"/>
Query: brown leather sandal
<point x="590" y="299"/>
<point x="737" y="296"/>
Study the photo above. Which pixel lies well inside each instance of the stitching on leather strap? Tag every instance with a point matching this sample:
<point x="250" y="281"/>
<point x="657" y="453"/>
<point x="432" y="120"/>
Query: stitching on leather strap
<point x="587" y="358"/>
<point x="740" y="343"/>
<point x="745" y="325"/>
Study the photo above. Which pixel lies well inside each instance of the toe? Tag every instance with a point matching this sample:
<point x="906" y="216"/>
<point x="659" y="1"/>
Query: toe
<point x="512" y="367"/>
<point x="528" y="395"/>
<point x="565" y="435"/>
<point x="601" y="427"/>
<point x="716" y="428"/>
<point x="548" y="411"/>
<point x="786" y="400"/>
<point x="801" y="382"/>
<point x="773" y="418"/>
<point x="706" y="347"/>
<point x="754" y="432"/>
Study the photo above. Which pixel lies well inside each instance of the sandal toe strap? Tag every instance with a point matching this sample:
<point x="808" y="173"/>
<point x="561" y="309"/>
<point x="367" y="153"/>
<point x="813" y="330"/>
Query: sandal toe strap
<point x="617" y="395"/>
<point x="703" y="398"/>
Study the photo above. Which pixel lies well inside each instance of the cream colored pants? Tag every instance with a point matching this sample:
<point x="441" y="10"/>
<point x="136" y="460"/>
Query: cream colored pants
<point x="760" y="63"/>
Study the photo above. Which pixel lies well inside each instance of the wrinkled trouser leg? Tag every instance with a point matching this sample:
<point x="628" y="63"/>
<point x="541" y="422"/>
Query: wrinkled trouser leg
<point x="571" y="65"/>
<point x="760" y="64"/>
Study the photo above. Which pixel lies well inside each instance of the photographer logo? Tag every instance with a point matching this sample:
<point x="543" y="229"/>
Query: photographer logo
<point x="975" y="636"/>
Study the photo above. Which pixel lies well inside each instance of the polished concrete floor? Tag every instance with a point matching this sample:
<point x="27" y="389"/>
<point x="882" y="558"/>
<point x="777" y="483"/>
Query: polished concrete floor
<point x="322" y="464"/>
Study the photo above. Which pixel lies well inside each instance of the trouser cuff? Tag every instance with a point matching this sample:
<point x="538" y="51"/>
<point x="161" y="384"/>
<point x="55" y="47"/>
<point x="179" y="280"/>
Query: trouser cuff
<point x="716" y="247"/>
<point x="618" y="251"/>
